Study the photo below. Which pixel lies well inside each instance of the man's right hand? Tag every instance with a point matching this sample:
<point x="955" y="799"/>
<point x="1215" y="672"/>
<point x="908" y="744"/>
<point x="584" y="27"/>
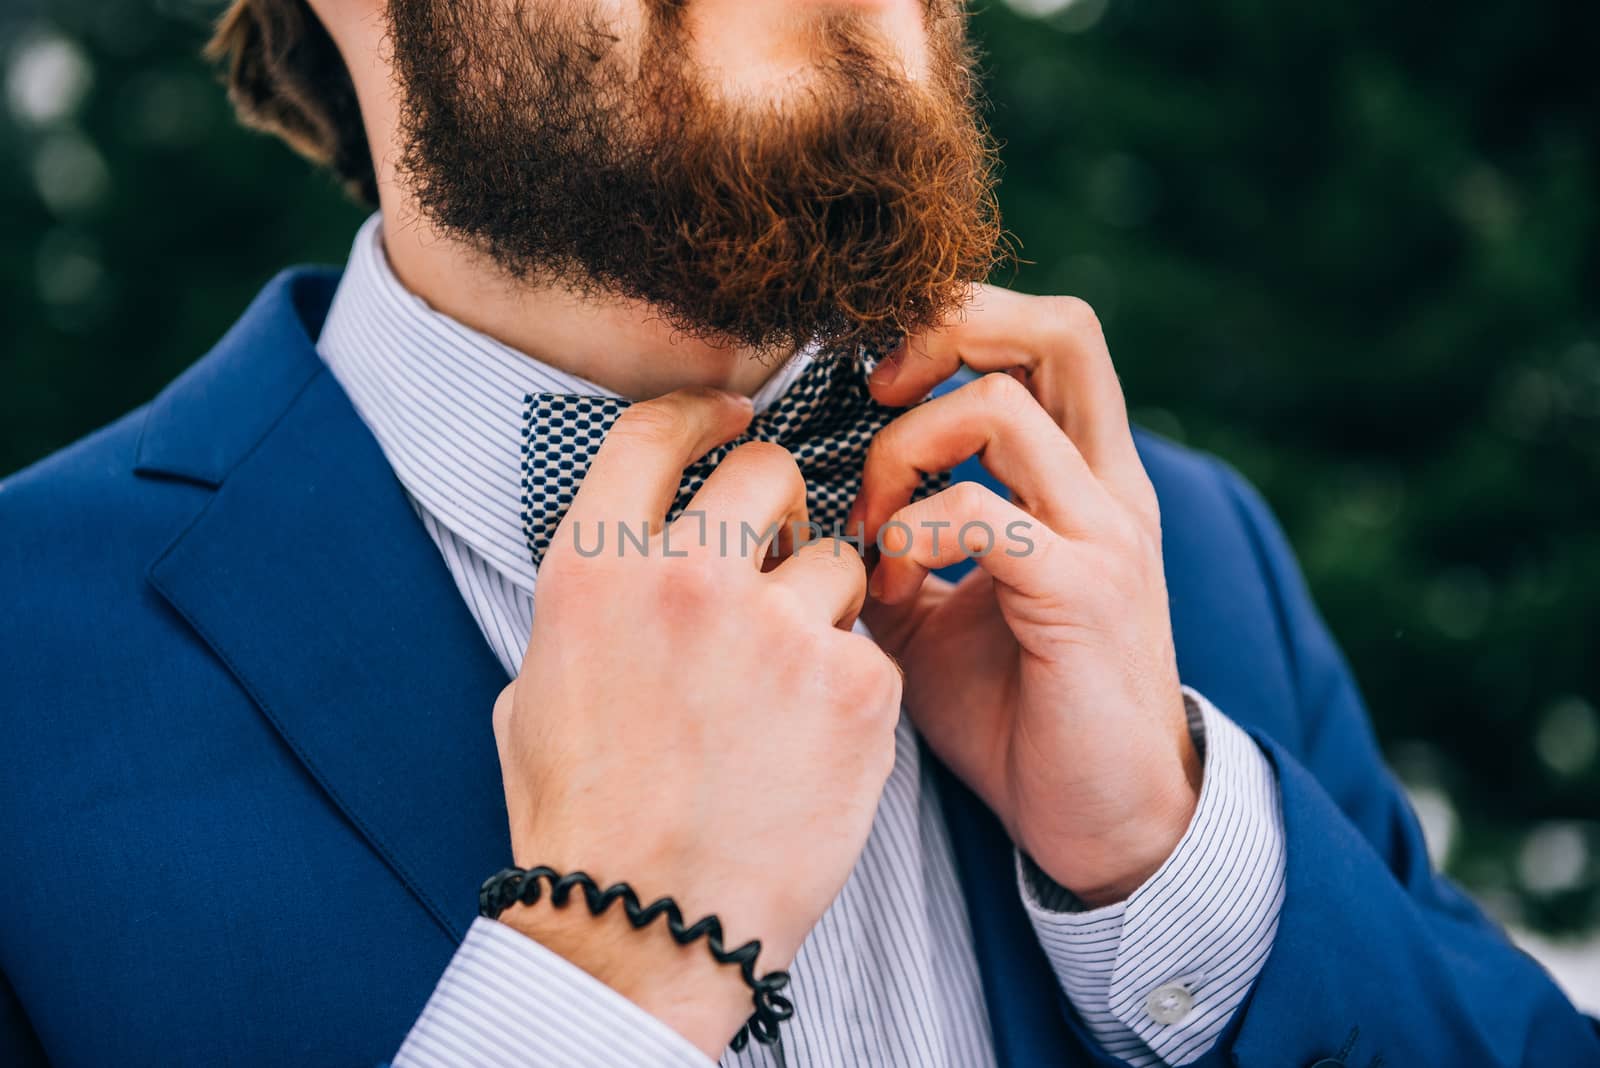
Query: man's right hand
<point x="693" y="724"/>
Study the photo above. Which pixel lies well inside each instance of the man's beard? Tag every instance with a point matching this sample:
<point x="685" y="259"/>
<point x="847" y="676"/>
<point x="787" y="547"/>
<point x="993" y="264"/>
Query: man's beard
<point x="858" y="207"/>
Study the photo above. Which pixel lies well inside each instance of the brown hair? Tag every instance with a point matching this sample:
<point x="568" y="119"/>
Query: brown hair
<point x="285" y="76"/>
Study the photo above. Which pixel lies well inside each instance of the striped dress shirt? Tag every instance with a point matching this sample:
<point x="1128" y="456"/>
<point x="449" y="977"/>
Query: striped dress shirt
<point x="888" y="977"/>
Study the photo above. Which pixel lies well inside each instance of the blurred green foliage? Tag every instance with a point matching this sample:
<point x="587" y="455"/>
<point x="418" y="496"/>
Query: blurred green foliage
<point x="1350" y="248"/>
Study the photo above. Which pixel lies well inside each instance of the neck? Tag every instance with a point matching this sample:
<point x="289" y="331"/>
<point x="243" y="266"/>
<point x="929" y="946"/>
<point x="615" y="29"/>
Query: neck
<point x="622" y="345"/>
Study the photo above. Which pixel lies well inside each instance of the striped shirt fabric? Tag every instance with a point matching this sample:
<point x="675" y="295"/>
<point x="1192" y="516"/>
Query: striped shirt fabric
<point x="888" y="977"/>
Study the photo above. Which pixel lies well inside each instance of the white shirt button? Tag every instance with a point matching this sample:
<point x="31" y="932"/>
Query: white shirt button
<point x="1169" y="1003"/>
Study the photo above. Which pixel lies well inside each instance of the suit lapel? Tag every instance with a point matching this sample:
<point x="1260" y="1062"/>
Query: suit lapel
<point x="310" y="577"/>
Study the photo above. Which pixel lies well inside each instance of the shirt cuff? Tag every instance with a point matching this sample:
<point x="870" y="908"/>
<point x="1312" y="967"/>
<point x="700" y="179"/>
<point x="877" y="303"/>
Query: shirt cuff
<point x="506" y="999"/>
<point x="1156" y="978"/>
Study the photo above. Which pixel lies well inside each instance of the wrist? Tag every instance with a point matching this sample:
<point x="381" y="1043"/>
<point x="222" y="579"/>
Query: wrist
<point x="1107" y="867"/>
<point x="681" y="985"/>
<point x="1144" y="850"/>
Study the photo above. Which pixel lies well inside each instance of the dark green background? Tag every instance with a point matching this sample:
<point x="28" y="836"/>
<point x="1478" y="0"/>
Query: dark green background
<point x="1350" y="247"/>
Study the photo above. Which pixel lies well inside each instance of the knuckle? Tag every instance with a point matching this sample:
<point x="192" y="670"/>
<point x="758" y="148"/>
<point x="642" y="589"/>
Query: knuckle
<point x="504" y="706"/>
<point x="689" y="583"/>
<point x="840" y="554"/>
<point x="566" y="573"/>
<point x="763" y="454"/>
<point x="572" y="593"/>
<point x="558" y="561"/>
<point x="656" y="421"/>
<point x="893" y="683"/>
<point x="872" y="685"/>
<point x="786" y="612"/>
<point x="767" y="460"/>
<point x="807" y="640"/>
<point x="966" y="499"/>
<point x="1073" y="314"/>
<point x="883" y="444"/>
<point x="558" y="570"/>
<point x="1002" y="390"/>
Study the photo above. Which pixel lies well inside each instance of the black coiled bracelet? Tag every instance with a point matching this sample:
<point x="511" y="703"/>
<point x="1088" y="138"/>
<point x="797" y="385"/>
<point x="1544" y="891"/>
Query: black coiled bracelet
<point x="525" y="885"/>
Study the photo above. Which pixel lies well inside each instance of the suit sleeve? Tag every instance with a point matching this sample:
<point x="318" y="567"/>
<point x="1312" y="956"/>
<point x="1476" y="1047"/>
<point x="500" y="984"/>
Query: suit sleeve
<point x="1378" y="959"/>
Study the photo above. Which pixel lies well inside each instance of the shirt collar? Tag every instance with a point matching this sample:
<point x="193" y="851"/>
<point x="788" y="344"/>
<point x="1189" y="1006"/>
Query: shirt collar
<point x="445" y="402"/>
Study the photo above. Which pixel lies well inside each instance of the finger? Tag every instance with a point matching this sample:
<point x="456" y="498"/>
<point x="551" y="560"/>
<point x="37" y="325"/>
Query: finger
<point x="1055" y="341"/>
<point x="755" y="498"/>
<point x="636" y="472"/>
<point x="997" y="419"/>
<point x="828" y="578"/>
<point x="968" y="521"/>
<point x="893" y="626"/>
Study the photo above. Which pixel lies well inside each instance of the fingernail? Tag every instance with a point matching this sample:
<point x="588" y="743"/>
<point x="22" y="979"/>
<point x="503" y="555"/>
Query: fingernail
<point x="875" y="584"/>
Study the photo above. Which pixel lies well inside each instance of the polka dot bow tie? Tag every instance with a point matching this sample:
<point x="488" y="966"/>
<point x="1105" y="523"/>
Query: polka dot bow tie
<point x="826" y="420"/>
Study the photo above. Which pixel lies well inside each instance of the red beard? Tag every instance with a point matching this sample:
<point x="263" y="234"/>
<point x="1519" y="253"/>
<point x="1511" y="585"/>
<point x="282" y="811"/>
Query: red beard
<point x="860" y="209"/>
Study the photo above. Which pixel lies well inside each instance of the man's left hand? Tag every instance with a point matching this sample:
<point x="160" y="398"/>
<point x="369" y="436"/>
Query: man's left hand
<point x="1046" y="678"/>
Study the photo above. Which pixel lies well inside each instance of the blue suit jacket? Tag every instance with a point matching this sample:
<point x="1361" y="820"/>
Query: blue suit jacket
<point x="249" y="786"/>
